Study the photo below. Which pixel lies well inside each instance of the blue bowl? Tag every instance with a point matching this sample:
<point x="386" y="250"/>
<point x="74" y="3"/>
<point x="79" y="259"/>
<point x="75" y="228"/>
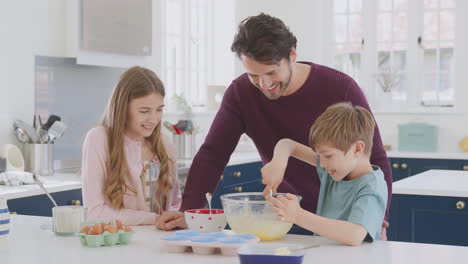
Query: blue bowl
<point x="259" y="254"/>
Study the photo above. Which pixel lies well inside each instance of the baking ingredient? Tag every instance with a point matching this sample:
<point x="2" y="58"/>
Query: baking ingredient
<point x="263" y="226"/>
<point x="282" y="251"/>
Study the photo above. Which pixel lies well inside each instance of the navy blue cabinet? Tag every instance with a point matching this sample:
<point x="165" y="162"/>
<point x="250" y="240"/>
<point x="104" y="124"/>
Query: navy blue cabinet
<point x="429" y="219"/>
<point x="239" y="178"/>
<point x="40" y="205"/>
<point x="405" y="167"/>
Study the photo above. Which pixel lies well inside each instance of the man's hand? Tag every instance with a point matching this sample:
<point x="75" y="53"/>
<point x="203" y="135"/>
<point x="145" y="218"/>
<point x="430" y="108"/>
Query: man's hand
<point x="169" y="220"/>
<point x="272" y="174"/>
<point x="383" y="235"/>
<point x="287" y="207"/>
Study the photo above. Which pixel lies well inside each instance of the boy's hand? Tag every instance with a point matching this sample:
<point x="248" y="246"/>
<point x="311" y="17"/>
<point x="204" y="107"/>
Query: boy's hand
<point x="287" y="207"/>
<point x="272" y="174"/>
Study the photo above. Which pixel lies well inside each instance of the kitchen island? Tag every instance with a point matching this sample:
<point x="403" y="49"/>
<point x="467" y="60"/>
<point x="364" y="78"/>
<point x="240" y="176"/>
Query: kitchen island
<point x="29" y="243"/>
<point x="430" y="207"/>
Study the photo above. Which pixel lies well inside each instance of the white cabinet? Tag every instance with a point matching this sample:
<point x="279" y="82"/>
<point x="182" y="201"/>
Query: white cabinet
<point x="116" y="26"/>
<point x="115" y="33"/>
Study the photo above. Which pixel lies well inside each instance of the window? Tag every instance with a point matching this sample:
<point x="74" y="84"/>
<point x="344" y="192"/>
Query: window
<point x="187" y="38"/>
<point x="399" y="49"/>
<point x="348" y="37"/>
<point x="437" y="44"/>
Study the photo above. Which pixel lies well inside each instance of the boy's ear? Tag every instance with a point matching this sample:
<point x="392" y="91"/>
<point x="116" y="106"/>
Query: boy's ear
<point x="359" y="147"/>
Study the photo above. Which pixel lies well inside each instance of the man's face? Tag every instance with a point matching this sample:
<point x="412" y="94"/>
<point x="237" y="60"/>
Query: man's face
<point x="271" y="79"/>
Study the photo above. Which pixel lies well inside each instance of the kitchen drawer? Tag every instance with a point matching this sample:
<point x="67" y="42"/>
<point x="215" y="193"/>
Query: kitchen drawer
<point x="429" y="219"/>
<point x="252" y="186"/>
<point x="40" y="205"/>
<point x="405" y="167"/>
<point x="242" y="173"/>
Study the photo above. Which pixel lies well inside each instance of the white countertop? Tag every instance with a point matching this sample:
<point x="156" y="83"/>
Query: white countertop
<point x="236" y="159"/>
<point x="434" y="182"/>
<point x="57" y="183"/>
<point x="64" y="182"/>
<point x="428" y="155"/>
<point x="28" y="243"/>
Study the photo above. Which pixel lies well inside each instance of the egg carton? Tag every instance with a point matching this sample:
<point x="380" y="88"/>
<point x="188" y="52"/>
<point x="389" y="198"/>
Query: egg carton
<point x="106" y="238"/>
<point x="207" y="243"/>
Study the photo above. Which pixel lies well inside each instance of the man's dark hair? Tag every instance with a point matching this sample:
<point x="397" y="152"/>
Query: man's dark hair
<point x="264" y="38"/>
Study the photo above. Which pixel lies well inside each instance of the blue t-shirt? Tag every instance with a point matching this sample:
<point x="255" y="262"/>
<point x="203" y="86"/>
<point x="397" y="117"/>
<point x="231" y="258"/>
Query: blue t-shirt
<point x="361" y="201"/>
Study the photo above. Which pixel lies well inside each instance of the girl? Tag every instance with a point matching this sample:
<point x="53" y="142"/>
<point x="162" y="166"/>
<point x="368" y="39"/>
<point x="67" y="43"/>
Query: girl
<point x="129" y="169"/>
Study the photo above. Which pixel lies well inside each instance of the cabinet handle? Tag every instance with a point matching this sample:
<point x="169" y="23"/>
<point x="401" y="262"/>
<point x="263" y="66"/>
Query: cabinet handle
<point x="222" y="177"/>
<point x="395" y="165"/>
<point x="460" y="205"/>
<point x="465" y="167"/>
<point x="237" y="174"/>
<point x="238" y="189"/>
<point x="76" y="202"/>
<point x="13" y="213"/>
<point x="404" y="166"/>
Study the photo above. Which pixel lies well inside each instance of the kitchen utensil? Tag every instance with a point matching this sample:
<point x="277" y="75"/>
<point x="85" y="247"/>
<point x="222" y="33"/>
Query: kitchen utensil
<point x="265" y="253"/>
<point x="67" y="219"/>
<point x="50" y="121"/>
<point x="201" y="220"/>
<point x="4" y="218"/>
<point x="56" y="130"/>
<point x="208" y="199"/>
<point x="38" y="182"/>
<point x="21" y="136"/>
<point x="250" y="212"/>
<point x="169" y="127"/>
<point x="29" y="130"/>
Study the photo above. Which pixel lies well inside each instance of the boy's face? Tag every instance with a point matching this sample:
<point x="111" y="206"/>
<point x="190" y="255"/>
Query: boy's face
<point x="337" y="163"/>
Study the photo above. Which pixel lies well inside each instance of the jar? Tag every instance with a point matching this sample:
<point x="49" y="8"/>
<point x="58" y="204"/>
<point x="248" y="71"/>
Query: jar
<point x="4" y="219"/>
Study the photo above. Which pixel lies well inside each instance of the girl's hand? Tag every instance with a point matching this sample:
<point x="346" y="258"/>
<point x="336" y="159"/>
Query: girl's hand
<point x="272" y="174"/>
<point x="287" y="207"/>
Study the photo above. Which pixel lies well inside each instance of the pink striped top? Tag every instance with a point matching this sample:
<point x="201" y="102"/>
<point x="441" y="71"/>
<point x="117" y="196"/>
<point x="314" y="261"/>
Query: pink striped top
<point x="95" y="153"/>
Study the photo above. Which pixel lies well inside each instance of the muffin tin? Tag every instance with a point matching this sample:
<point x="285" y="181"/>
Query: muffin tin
<point x="206" y="243"/>
<point x="106" y="238"/>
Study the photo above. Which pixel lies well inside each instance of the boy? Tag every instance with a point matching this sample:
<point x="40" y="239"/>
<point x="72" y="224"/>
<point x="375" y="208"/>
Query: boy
<point x="353" y="193"/>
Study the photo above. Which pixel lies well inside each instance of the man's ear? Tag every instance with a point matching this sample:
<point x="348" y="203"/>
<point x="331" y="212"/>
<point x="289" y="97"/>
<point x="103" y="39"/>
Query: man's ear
<point x="292" y="55"/>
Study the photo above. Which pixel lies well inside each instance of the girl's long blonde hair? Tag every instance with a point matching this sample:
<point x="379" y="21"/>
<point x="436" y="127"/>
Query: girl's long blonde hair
<point x="136" y="82"/>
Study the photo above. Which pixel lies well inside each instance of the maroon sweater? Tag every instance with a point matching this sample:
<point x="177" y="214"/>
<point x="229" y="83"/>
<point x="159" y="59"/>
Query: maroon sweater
<point x="245" y="109"/>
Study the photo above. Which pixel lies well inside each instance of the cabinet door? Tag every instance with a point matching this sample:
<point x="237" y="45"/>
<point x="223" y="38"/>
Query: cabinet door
<point x="234" y="176"/>
<point x="430" y="219"/>
<point x="40" y="205"/>
<point x="118" y="26"/>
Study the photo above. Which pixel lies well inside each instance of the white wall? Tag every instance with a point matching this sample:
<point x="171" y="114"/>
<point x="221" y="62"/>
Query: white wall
<point x="304" y="17"/>
<point x="27" y="28"/>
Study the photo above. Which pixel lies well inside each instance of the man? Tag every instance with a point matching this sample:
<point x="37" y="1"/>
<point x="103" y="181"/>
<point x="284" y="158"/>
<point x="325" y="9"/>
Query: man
<point x="276" y="98"/>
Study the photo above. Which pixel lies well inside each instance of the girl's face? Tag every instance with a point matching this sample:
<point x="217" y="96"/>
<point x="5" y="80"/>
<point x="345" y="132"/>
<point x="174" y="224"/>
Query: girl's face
<point x="144" y="114"/>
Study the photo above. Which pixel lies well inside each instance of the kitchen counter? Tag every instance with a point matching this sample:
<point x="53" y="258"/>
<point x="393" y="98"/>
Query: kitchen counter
<point x="428" y="155"/>
<point x="236" y="158"/>
<point x="28" y="243"/>
<point x="57" y="183"/>
<point x="450" y="183"/>
<point x="69" y="181"/>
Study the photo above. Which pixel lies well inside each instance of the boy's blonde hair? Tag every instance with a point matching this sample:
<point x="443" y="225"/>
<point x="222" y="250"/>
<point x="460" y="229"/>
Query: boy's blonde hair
<point x="341" y="125"/>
